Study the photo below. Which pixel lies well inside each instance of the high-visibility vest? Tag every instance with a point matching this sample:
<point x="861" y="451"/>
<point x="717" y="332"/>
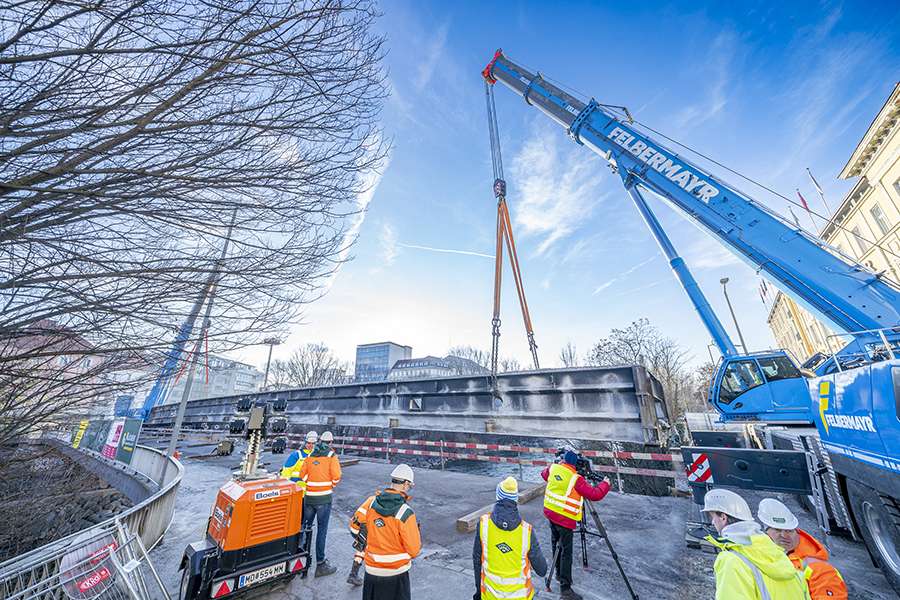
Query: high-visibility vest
<point x="292" y="471"/>
<point x="560" y="495"/>
<point x="505" y="568"/>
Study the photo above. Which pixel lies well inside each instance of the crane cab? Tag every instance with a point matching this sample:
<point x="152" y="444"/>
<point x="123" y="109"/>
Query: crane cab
<point x="766" y="386"/>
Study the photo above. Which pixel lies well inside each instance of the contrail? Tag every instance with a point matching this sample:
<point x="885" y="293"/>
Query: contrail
<point x="442" y="250"/>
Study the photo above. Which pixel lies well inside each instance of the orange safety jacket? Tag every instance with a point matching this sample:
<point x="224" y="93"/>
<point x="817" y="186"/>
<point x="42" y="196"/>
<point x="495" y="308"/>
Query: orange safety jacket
<point x="561" y="496"/>
<point x="321" y="471"/>
<point x="393" y="533"/>
<point x="823" y="580"/>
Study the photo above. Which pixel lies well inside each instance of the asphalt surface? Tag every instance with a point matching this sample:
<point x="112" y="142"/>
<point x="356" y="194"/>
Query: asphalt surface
<point x="647" y="533"/>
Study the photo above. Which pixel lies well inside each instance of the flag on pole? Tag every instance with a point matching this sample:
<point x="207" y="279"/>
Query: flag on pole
<point x="815" y="183"/>
<point x="795" y="216"/>
<point x="803" y="201"/>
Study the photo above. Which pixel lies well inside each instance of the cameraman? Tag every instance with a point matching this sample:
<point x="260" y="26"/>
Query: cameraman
<point x="563" y="506"/>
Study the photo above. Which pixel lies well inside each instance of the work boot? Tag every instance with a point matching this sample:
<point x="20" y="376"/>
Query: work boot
<point x="570" y="594"/>
<point x="324" y="568"/>
<point x="354" y="578"/>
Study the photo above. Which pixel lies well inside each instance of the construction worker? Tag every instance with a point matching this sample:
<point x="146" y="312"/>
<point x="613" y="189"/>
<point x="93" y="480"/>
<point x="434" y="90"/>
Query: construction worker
<point x="321" y="471"/>
<point x="506" y="550"/>
<point x="750" y="565"/>
<point x="392" y="538"/>
<point x="563" y="507"/>
<point x="328" y="437"/>
<point x="294" y="462"/>
<point x="807" y="554"/>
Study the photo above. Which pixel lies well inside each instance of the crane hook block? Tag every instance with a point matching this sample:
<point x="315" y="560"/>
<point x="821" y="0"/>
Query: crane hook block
<point x="499" y="189"/>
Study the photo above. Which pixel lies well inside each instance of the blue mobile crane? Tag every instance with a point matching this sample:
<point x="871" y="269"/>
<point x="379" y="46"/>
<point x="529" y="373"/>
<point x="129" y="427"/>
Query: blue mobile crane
<point x="850" y="396"/>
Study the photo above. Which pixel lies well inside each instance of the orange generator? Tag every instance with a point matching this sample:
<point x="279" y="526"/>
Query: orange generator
<point x="253" y="537"/>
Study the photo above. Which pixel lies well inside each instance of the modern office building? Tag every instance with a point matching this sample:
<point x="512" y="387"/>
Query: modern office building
<point x="374" y="361"/>
<point x="865" y="227"/>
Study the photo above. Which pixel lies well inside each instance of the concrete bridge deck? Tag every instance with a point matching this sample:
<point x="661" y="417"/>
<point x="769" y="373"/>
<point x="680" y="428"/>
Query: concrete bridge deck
<point x="647" y="533"/>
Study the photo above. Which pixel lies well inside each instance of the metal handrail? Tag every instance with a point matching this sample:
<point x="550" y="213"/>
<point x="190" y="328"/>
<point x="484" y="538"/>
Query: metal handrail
<point x="149" y="519"/>
<point x="874" y="332"/>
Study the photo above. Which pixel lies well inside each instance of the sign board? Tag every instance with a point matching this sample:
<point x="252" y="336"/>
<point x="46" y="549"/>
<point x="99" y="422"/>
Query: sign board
<point x="79" y="434"/>
<point x="128" y="440"/>
<point x="112" y="439"/>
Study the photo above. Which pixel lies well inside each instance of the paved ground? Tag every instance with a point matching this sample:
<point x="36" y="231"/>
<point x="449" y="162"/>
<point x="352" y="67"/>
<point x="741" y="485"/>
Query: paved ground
<point x="647" y="533"/>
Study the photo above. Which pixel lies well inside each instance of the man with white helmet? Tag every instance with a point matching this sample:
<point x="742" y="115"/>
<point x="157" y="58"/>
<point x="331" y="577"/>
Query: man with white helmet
<point x="750" y="566"/>
<point x="321" y="471"/>
<point x="807" y="554"/>
<point x="295" y="460"/>
<point x="391" y="534"/>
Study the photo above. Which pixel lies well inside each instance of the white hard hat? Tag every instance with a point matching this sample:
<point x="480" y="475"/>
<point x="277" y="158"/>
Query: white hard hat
<point x="727" y="502"/>
<point x="773" y="513"/>
<point x="312" y="436"/>
<point x="327" y="436"/>
<point x="403" y="472"/>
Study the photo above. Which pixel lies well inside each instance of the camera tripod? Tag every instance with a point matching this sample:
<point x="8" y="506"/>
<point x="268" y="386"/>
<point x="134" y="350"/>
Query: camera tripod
<point x="583" y="532"/>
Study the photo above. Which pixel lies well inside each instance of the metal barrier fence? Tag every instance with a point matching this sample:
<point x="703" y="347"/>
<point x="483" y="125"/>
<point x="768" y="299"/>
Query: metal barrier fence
<point x="390" y="447"/>
<point x="44" y="572"/>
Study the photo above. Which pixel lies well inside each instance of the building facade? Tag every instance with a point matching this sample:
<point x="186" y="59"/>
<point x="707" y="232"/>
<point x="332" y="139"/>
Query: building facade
<point x="226" y="378"/>
<point x="865" y="227"/>
<point x="432" y="366"/>
<point x="374" y="361"/>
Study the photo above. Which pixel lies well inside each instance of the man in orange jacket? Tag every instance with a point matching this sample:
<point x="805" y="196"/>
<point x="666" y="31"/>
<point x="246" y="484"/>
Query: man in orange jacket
<point x="806" y="552"/>
<point x="321" y="471"/>
<point x="392" y="538"/>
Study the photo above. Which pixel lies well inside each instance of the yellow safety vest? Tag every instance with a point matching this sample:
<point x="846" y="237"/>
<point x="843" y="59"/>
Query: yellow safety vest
<point x="505" y="568"/>
<point x="560" y="495"/>
<point x="293" y="472"/>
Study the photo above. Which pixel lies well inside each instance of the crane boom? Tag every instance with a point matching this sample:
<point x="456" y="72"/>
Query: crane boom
<point x="847" y="295"/>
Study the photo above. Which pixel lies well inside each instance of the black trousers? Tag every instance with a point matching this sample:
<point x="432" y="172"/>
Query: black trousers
<point x="562" y="536"/>
<point x="395" y="587"/>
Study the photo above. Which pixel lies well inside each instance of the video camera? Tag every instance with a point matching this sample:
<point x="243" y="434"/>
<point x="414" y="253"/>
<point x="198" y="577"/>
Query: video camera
<point x="583" y="466"/>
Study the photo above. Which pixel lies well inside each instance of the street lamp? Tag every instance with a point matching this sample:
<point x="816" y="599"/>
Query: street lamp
<point x="269" y="342"/>
<point x="723" y="281"/>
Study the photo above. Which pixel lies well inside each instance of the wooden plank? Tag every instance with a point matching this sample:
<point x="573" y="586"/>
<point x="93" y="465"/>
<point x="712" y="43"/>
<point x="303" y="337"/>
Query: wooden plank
<point x="348" y="461"/>
<point x="532" y="492"/>
<point x="469" y="523"/>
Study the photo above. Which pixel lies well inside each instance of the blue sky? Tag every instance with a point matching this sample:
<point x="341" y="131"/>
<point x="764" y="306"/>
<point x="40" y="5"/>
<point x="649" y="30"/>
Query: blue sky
<point x="766" y="88"/>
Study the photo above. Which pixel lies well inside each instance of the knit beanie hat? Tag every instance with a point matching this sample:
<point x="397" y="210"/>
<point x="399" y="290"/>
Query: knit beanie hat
<point x="571" y="458"/>
<point x="508" y="489"/>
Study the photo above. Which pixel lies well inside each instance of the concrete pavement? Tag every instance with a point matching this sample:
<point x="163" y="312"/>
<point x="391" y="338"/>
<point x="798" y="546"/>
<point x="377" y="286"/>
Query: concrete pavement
<point x="646" y="532"/>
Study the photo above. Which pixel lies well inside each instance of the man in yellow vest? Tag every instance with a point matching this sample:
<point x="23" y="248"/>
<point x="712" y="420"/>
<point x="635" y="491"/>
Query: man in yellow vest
<point x="295" y="460"/>
<point x="563" y="507"/>
<point x="506" y="550"/>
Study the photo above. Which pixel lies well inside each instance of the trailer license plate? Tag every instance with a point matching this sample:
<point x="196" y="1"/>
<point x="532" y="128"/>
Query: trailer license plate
<point x="261" y="575"/>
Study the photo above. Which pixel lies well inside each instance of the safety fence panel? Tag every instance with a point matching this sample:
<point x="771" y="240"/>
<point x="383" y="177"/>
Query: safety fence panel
<point x="106" y="561"/>
<point x="390" y="447"/>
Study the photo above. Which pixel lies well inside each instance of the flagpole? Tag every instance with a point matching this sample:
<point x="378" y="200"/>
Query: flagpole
<point x="821" y="194"/>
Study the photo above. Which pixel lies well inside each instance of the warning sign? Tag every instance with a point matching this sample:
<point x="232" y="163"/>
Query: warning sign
<point x="699" y="469"/>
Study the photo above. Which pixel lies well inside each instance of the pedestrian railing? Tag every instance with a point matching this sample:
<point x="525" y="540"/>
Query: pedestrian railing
<point x="51" y="570"/>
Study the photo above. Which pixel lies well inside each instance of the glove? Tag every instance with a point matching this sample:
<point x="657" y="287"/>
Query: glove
<point x="361" y="538"/>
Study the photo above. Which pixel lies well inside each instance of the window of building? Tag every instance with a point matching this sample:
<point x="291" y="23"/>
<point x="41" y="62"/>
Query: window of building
<point x="86" y="363"/>
<point x="62" y="361"/>
<point x="863" y="246"/>
<point x="880" y="219"/>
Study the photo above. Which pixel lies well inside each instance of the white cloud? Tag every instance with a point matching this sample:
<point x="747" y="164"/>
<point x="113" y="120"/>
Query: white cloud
<point x="644" y="287"/>
<point x="716" y="71"/>
<point x="428" y="59"/>
<point x="553" y="191"/>
<point x="387" y="240"/>
<point x="706" y="253"/>
<point x="444" y="250"/>
<point x="624" y="275"/>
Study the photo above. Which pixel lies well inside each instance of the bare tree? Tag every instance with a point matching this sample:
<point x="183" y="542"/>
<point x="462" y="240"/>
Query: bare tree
<point x="480" y="358"/>
<point x="643" y="344"/>
<point x="309" y="366"/>
<point x="509" y="365"/>
<point x="156" y="152"/>
<point x="568" y="356"/>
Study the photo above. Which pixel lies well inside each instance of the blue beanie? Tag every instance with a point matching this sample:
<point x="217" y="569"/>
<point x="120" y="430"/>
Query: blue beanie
<point x="570" y="458"/>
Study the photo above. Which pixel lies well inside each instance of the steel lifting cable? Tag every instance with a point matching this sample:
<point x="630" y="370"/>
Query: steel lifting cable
<point x="504" y="236"/>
